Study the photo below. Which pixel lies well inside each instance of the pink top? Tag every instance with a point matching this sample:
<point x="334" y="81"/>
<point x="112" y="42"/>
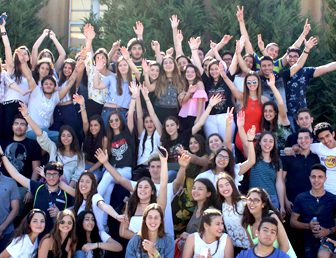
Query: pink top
<point x="190" y="108"/>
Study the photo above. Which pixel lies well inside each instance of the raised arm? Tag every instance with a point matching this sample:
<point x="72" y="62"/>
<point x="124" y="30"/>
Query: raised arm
<point x="130" y="63"/>
<point x="138" y="30"/>
<point x="243" y="30"/>
<point x="81" y="101"/>
<point x="251" y="157"/>
<point x="156" y="48"/>
<point x="236" y="93"/>
<point x="228" y="130"/>
<point x="323" y="69"/>
<point x="25" y="69"/>
<point x="7" y="46"/>
<point x="194" y="44"/>
<point x="12" y="171"/>
<point x="102" y="157"/>
<point x="89" y="34"/>
<point x="110" y="211"/>
<point x="241" y="62"/>
<point x="214" y="100"/>
<point x="115" y="47"/>
<point x="71" y="81"/>
<point x="134" y="89"/>
<point x="226" y="38"/>
<point x="24" y="111"/>
<point x="36" y="46"/>
<point x="145" y="70"/>
<point x="183" y="161"/>
<point x="162" y="197"/>
<point x="60" y="50"/>
<point x="177" y="35"/>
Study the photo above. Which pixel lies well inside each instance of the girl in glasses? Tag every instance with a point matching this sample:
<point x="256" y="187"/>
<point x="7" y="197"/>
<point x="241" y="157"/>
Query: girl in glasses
<point x="25" y="242"/>
<point x="61" y="241"/>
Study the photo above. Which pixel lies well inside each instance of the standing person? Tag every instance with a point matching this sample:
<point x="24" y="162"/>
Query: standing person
<point x="233" y="205"/>
<point x="267" y="234"/>
<point x="151" y="241"/>
<point x="25" y="241"/>
<point x="210" y="239"/>
<point x="61" y="241"/>
<point x="314" y="212"/>
<point x="258" y="207"/>
<point x="326" y="150"/>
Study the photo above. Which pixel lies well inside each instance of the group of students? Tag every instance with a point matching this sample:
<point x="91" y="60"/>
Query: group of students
<point x="203" y="156"/>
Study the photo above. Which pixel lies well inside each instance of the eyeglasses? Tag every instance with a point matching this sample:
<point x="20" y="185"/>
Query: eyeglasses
<point x="292" y="57"/>
<point x="53" y="175"/>
<point x="253" y="201"/>
<point x="114" y="120"/>
<point x="223" y="157"/>
<point x="62" y="222"/>
<point x="254" y="82"/>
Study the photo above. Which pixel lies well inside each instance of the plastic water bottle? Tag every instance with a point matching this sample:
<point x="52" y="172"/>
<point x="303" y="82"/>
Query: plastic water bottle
<point x="51" y="205"/>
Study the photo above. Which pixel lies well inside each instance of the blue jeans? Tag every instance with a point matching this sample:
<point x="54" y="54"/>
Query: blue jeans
<point x="98" y="172"/>
<point x="275" y="201"/>
<point x="79" y="254"/>
<point x="53" y="135"/>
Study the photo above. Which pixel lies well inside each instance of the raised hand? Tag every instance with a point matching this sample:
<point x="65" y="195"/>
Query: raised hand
<point x="144" y="91"/>
<point x="52" y="35"/>
<point x="20" y="53"/>
<point x="261" y="43"/>
<point x="124" y="52"/>
<point x="3" y="24"/>
<point x="215" y="99"/>
<point x="229" y="117"/>
<point x="23" y="109"/>
<point x="240" y="13"/>
<point x="241" y="119"/>
<point x="121" y="217"/>
<point x="192" y="89"/>
<point x="271" y="80"/>
<point x="226" y="38"/>
<point x="80" y="65"/>
<point x="163" y="153"/>
<point x="239" y="47"/>
<point x="40" y="171"/>
<point x="184" y="159"/>
<point x="306" y="28"/>
<point x="134" y="89"/>
<point x="144" y="66"/>
<point x="155" y="46"/>
<point x="89" y="32"/>
<point x="310" y="43"/>
<point x="251" y="133"/>
<point x="101" y="155"/>
<point x="213" y="45"/>
<point x="116" y="45"/>
<point x="179" y="36"/>
<point x="170" y="51"/>
<point x="78" y="99"/>
<point x="222" y="70"/>
<point x="174" y="21"/>
<point x="194" y="43"/>
<point x="45" y="32"/>
<point x="138" y="28"/>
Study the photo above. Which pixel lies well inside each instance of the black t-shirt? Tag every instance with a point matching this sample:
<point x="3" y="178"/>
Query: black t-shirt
<point x="280" y="82"/>
<point x="182" y="139"/>
<point x="122" y="150"/>
<point x="21" y="154"/>
<point x="220" y="88"/>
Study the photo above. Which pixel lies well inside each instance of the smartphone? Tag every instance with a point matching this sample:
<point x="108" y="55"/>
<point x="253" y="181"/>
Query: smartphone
<point x="3" y="17"/>
<point x="162" y="151"/>
<point x="327" y="244"/>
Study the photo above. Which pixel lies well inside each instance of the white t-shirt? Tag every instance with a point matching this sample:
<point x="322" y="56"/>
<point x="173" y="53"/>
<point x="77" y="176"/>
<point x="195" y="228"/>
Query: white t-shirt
<point x="216" y="249"/>
<point x="168" y="215"/>
<point x="328" y="159"/>
<point x="98" y="213"/>
<point x="143" y="157"/>
<point x="209" y="174"/>
<point x="12" y="94"/>
<point x="23" y="248"/>
<point x="41" y="108"/>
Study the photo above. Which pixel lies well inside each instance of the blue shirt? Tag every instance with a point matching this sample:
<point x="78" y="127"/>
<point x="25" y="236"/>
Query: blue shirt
<point x="122" y="100"/>
<point x="250" y="253"/>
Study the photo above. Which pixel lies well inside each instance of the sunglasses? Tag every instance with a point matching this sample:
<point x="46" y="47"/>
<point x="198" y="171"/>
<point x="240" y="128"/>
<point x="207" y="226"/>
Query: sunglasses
<point x="254" y="82"/>
<point x="114" y="120"/>
<point x="62" y="222"/>
<point x="52" y="175"/>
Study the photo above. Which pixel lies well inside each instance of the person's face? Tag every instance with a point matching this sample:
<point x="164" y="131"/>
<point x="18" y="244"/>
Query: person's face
<point x="252" y="83"/>
<point x="254" y="203"/>
<point x="214" y="71"/>
<point x="168" y="65"/>
<point x="19" y="127"/>
<point x="317" y="178"/>
<point x="123" y="67"/>
<point x="222" y="160"/>
<point x="148" y="124"/>
<point x="44" y="70"/>
<point x="200" y="55"/>
<point x="304" y="120"/>
<point x="171" y="127"/>
<point x="249" y="62"/>
<point x="227" y="58"/>
<point x="85" y="185"/>
<point x="194" y="146"/>
<point x="46" y="55"/>
<point x="224" y="188"/>
<point x="266" y="67"/>
<point x="136" y="51"/>
<point x="267" y="143"/>
<point x="205" y="65"/>
<point x="66" y="138"/>
<point x="101" y="57"/>
<point x="190" y="74"/>
<point x="155" y="169"/>
<point x="48" y="86"/>
<point x="26" y="56"/>
<point x="269" y="113"/>
<point x="199" y="192"/>
<point x="144" y="190"/>
<point x="304" y="141"/>
<point x="182" y="62"/>
<point x="52" y="177"/>
<point x="215" y="143"/>
<point x="66" y="224"/>
<point x="37" y="223"/>
<point x="273" y="51"/>
<point x="114" y="122"/>
<point x="88" y="222"/>
<point x="67" y="70"/>
<point x="327" y="138"/>
<point x="292" y="58"/>
<point x="216" y="227"/>
<point x="154" y="72"/>
<point x="94" y="127"/>
<point x="153" y="220"/>
<point x="267" y="234"/>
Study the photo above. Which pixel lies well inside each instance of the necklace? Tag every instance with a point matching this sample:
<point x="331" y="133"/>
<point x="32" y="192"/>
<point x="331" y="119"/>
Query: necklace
<point x="318" y="197"/>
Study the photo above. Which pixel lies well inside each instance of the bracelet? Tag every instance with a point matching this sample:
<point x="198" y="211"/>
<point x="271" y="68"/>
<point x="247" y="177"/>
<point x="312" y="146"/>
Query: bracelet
<point x="98" y="245"/>
<point x="25" y="115"/>
<point x="82" y="109"/>
<point x="133" y="98"/>
<point x="306" y="52"/>
<point x="157" y="255"/>
<point x="4" y="33"/>
<point x="250" y="140"/>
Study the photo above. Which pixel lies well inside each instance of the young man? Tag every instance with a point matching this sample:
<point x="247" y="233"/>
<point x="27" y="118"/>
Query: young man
<point x="326" y="150"/>
<point x="314" y="212"/>
<point x="155" y="172"/>
<point x="47" y="197"/>
<point x="267" y="233"/>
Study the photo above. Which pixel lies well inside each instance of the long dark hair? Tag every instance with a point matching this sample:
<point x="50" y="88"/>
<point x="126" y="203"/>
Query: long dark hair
<point x="79" y="197"/>
<point x="274" y="152"/>
<point x="248" y="218"/>
<point x="197" y="78"/>
<point x="212" y="80"/>
<point x="120" y="78"/>
<point x="63" y="78"/>
<point x="235" y="196"/>
<point x="109" y="130"/>
<point x="145" y="137"/>
<point x="17" y="64"/>
<point x="201" y="142"/>
<point x="165" y="137"/>
<point x="134" y="198"/>
<point x="55" y="234"/>
<point x="91" y="142"/>
<point x="246" y="92"/>
<point x="211" y="201"/>
<point x="254" y="65"/>
<point x="273" y="125"/>
<point x="230" y="168"/>
<point x="74" y="146"/>
<point x="43" y="51"/>
<point x="81" y="233"/>
<point x="36" y="74"/>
